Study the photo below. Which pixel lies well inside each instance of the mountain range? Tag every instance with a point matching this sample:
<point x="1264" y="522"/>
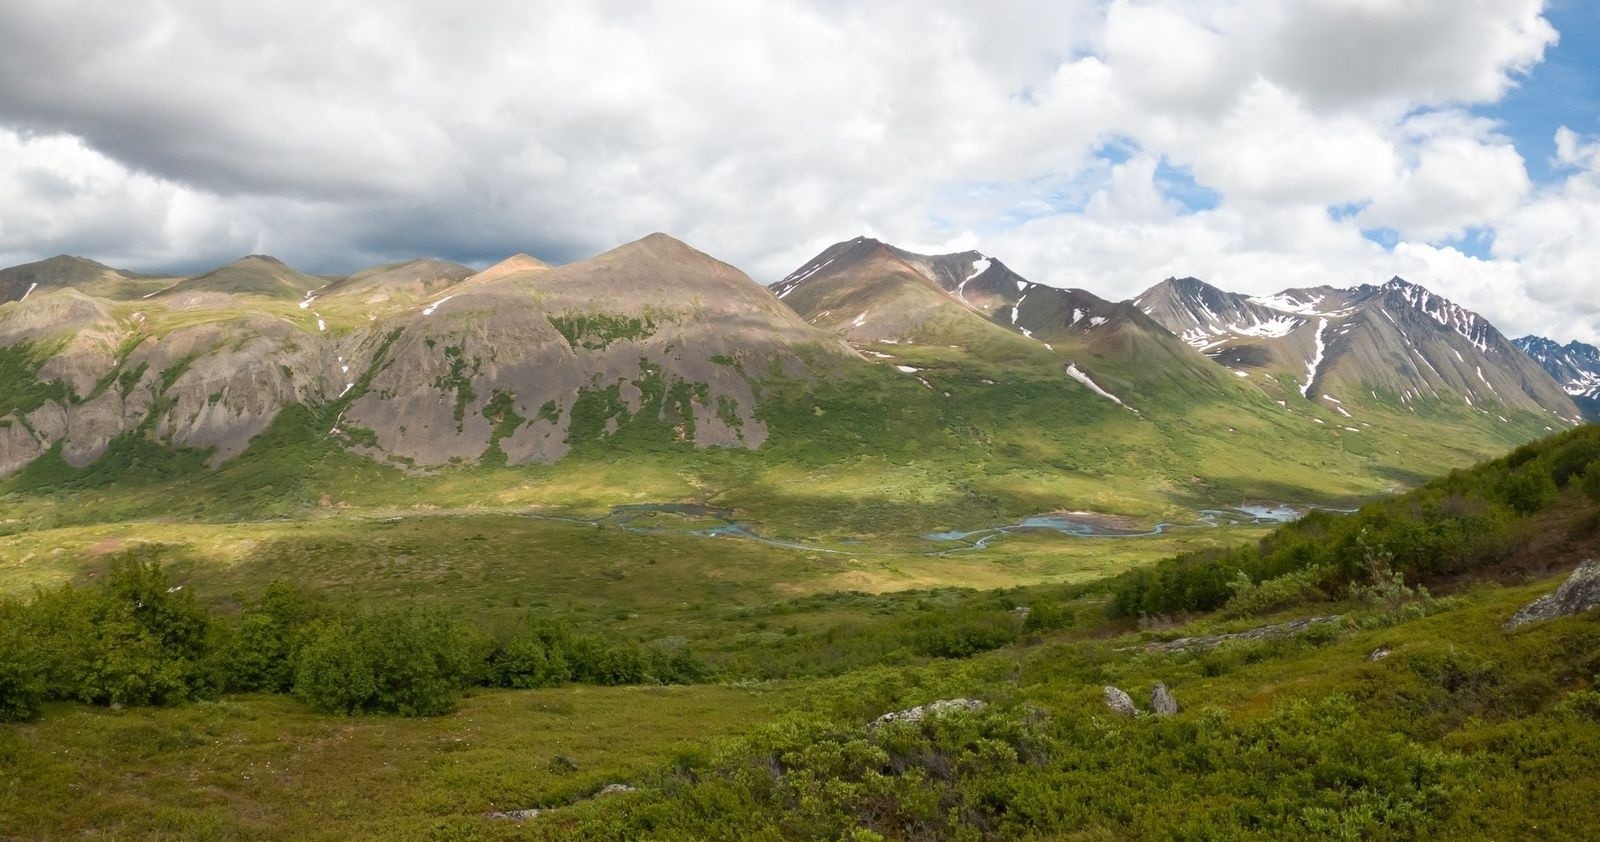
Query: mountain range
<point x="1576" y="366"/>
<point x="426" y="364"/>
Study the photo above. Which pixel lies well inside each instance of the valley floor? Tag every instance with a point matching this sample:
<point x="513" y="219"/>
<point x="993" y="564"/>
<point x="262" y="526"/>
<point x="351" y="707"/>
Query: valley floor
<point x="1463" y="731"/>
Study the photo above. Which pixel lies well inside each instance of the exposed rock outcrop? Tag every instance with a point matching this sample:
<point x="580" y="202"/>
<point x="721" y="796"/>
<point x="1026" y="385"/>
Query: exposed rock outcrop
<point x="1161" y="701"/>
<point x="920" y="712"/>
<point x="1119" y="702"/>
<point x="1579" y="593"/>
<point x="1211" y="641"/>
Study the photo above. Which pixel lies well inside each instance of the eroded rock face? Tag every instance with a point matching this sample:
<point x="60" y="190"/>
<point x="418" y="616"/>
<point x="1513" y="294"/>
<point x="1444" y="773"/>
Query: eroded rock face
<point x="1119" y="702"/>
<point x="1161" y="701"/>
<point x="517" y="363"/>
<point x="527" y="361"/>
<point x="920" y="712"/>
<point x="1579" y="593"/>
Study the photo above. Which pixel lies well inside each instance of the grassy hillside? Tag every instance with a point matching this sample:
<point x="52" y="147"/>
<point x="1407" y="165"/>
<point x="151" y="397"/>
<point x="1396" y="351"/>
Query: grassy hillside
<point x="1303" y="735"/>
<point x="969" y="441"/>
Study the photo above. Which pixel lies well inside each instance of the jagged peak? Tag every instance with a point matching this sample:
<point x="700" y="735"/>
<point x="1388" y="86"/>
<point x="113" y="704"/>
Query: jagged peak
<point x="1402" y="285"/>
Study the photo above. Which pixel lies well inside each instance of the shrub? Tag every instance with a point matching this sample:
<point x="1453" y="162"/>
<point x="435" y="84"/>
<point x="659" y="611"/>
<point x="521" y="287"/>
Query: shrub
<point x="260" y="653"/>
<point x="411" y="661"/>
<point x="135" y="641"/>
<point x="22" y="682"/>
<point x="1591" y="482"/>
<point x="949" y="635"/>
<point x="524" y="662"/>
<point x="333" y="674"/>
<point x="1290" y="589"/>
<point x="1528" y="490"/>
<point x="1047" y="615"/>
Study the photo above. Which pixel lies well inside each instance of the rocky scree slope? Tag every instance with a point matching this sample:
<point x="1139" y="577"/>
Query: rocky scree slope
<point x="1576" y="366"/>
<point x="1396" y="345"/>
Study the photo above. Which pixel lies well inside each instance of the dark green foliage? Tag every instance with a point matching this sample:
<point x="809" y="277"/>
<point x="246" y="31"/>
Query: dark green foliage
<point x="1452" y="525"/>
<point x="1046" y="616"/>
<point x="411" y="661"/>
<point x="265" y="644"/>
<point x="458" y="379"/>
<point x="953" y="635"/>
<point x="138" y="640"/>
<point x="359" y="435"/>
<point x="20" y="390"/>
<point x="501" y="411"/>
<point x="1591" y="482"/>
<point x="1527" y="491"/>
<point x="1312" y="769"/>
<point x="533" y="656"/>
<point x="663" y="422"/>
<point x="540" y="653"/>
<point x="595" y="331"/>
<point x="23" y="688"/>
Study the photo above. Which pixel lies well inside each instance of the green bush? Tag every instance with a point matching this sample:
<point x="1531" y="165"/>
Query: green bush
<point x="532" y="657"/>
<point x="22" y="682"/>
<point x="409" y="661"/>
<point x="260" y="652"/>
<point x="1528" y="490"/>
<point x="1291" y="589"/>
<point x="333" y="674"/>
<point x="1045" y="616"/>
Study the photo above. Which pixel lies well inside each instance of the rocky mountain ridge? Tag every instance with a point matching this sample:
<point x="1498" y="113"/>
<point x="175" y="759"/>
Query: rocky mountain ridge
<point x="1395" y="344"/>
<point x="427" y="363"/>
<point x="1576" y="366"/>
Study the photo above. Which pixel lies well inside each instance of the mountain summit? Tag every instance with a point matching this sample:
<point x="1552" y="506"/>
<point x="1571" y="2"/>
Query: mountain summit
<point x="1397" y="344"/>
<point x="1576" y="366"/>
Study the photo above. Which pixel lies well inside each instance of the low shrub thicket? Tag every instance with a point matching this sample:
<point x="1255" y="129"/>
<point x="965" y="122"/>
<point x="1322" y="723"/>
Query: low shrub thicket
<point x="1456" y="524"/>
<point x="138" y="640"/>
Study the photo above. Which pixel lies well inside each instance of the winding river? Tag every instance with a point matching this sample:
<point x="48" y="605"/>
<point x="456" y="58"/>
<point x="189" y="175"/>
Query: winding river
<point x="716" y="522"/>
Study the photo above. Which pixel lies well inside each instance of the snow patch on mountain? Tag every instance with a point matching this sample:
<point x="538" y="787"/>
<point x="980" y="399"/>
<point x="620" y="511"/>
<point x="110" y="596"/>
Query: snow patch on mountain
<point x="1077" y="374"/>
<point x="1316" y="359"/>
<point x="1272" y="328"/>
<point x="979" y="266"/>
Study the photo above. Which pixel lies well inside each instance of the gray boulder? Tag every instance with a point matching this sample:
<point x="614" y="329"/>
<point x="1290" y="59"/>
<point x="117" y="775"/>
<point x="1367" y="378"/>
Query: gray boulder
<point x="1212" y="641"/>
<point x="1161" y="701"/>
<point x="1579" y="593"/>
<point x="920" y="712"/>
<point x="1378" y="654"/>
<point x="1120" y="702"/>
<point x="513" y="815"/>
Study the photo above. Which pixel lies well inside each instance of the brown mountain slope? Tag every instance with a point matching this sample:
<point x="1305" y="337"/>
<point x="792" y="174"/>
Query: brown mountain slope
<point x="254" y="275"/>
<point x="529" y="363"/>
<point x="418" y="277"/>
<point x="64" y="271"/>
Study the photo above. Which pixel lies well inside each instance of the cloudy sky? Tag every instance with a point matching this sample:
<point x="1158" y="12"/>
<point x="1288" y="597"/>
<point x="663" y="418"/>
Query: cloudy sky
<point x="1258" y="144"/>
